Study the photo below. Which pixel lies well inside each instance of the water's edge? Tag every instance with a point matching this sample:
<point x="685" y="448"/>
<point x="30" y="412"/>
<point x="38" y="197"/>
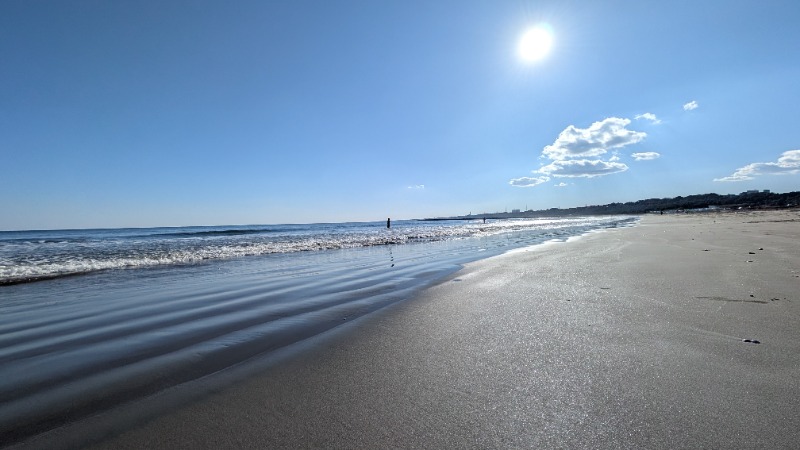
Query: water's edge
<point x="136" y="390"/>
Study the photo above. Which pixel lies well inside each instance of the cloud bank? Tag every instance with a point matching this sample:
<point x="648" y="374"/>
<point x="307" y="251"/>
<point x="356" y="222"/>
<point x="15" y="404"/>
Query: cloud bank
<point x="579" y="152"/>
<point x="787" y="164"/>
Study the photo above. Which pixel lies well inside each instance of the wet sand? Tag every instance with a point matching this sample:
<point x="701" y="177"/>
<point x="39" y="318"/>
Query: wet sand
<point x="681" y="332"/>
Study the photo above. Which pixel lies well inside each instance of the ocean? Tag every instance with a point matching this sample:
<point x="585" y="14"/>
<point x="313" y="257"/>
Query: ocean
<point x="94" y="319"/>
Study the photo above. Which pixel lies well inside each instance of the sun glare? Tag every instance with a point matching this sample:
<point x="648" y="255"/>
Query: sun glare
<point x="535" y="44"/>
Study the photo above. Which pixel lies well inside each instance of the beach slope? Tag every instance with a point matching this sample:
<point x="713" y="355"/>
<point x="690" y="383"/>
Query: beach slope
<point x="681" y="332"/>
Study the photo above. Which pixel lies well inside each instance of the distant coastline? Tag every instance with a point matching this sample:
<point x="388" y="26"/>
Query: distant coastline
<point x="746" y="200"/>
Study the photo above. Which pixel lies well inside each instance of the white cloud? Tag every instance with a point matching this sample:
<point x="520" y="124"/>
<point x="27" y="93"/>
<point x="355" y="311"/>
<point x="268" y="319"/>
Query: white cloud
<point x="645" y="156"/>
<point x="582" y="168"/>
<point x="576" y="153"/>
<point x="596" y="140"/>
<point x="649" y="116"/>
<point x="417" y="186"/>
<point x="691" y="105"/>
<point x="528" y="181"/>
<point x="787" y="164"/>
<point x="792" y="157"/>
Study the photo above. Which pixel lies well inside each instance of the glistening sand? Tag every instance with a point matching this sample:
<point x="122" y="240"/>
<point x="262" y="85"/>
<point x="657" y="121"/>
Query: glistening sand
<point x="628" y="338"/>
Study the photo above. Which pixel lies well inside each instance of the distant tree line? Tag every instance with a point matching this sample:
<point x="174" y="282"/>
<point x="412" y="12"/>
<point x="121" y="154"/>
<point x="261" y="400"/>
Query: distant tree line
<point x="745" y="200"/>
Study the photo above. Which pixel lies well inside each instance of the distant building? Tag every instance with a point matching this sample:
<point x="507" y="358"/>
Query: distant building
<point x="514" y="211"/>
<point x="766" y="191"/>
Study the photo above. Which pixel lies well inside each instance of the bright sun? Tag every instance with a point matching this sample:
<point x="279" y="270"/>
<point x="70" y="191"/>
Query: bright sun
<point x="535" y="44"/>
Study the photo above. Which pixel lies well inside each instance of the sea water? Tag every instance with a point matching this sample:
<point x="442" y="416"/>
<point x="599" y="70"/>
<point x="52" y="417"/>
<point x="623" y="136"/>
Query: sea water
<point x="90" y="319"/>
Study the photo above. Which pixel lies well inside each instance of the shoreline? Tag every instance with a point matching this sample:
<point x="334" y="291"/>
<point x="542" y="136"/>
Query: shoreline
<point x="76" y="348"/>
<point x="630" y="337"/>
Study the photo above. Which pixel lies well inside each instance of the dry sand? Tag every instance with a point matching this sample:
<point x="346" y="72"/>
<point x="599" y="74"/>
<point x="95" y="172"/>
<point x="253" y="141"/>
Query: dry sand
<point x="629" y="338"/>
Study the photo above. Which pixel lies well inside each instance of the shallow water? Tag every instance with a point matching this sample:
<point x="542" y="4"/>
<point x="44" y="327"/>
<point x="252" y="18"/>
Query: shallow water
<point x="71" y="346"/>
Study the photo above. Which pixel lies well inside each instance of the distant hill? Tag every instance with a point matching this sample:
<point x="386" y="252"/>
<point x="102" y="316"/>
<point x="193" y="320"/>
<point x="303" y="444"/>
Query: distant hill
<point x="745" y="200"/>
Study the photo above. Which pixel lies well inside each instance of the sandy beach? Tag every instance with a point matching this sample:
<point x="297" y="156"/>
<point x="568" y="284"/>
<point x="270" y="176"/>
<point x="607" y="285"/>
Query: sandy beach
<point x="680" y="332"/>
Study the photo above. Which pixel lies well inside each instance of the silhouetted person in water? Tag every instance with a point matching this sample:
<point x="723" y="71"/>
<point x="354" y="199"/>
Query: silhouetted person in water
<point x="389" y="223"/>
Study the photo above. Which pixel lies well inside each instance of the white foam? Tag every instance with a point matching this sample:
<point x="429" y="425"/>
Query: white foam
<point x="39" y="258"/>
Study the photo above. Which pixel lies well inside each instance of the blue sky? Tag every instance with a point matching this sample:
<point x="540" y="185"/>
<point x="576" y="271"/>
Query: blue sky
<point x="150" y="113"/>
